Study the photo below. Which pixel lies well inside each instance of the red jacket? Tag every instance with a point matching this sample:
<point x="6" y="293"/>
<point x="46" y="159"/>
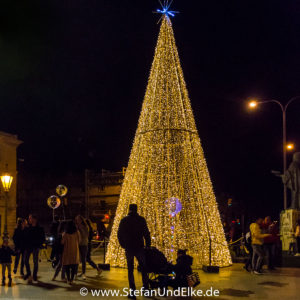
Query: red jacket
<point x="273" y="229"/>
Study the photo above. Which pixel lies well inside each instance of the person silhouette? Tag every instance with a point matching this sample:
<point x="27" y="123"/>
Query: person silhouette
<point x="132" y="233"/>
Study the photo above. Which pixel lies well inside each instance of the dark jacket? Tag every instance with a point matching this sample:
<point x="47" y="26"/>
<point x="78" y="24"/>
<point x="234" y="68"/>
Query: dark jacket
<point x="91" y="231"/>
<point x="273" y="230"/>
<point x="5" y="255"/>
<point x="183" y="268"/>
<point x="58" y="246"/>
<point x="101" y="230"/>
<point x="18" y="238"/>
<point x="132" y="231"/>
<point x="34" y="237"/>
<point x="54" y="228"/>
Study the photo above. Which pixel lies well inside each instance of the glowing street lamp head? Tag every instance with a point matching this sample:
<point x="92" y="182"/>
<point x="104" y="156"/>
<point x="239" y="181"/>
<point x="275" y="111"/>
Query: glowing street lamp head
<point x="6" y="180"/>
<point x="290" y="146"/>
<point x="253" y="104"/>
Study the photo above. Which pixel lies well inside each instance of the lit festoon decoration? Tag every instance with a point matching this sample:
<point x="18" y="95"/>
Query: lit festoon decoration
<point x="167" y="159"/>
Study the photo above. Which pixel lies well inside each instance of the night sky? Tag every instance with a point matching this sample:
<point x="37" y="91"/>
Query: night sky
<point x="73" y="76"/>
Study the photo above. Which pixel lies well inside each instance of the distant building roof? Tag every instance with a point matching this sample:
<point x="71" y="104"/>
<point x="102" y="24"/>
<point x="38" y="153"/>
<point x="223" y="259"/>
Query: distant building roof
<point x="10" y="139"/>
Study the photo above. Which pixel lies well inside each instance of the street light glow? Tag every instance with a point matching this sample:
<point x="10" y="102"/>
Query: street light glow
<point x="286" y="147"/>
<point x="253" y="104"/>
<point x="6" y="181"/>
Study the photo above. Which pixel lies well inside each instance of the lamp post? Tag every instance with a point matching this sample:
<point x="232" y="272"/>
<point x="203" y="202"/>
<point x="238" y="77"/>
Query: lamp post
<point x="6" y="180"/>
<point x="254" y="104"/>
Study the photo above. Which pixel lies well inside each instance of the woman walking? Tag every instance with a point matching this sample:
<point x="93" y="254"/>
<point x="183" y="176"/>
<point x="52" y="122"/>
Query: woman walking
<point x="89" y="250"/>
<point x="59" y="248"/>
<point x="70" y="256"/>
<point x="84" y="240"/>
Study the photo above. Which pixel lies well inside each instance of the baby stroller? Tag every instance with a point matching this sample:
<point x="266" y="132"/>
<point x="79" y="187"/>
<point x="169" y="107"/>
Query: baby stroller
<point x="158" y="268"/>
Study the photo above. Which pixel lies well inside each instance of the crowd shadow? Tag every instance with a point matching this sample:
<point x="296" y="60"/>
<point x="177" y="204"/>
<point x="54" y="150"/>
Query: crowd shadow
<point x="6" y="293"/>
<point x="285" y="273"/>
<point x="46" y="285"/>
<point x="236" y="293"/>
<point x="273" y="283"/>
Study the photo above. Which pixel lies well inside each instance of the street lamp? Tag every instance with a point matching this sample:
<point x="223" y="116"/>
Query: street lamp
<point x="6" y="180"/>
<point x="290" y="147"/>
<point x="253" y="104"/>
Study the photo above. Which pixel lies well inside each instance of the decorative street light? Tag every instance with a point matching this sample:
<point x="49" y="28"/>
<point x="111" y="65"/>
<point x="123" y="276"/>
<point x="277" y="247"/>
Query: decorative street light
<point x="253" y="104"/>
<point x="6" y="180"/>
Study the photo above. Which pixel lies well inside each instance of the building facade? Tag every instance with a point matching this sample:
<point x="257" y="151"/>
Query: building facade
<point x="92" y="194"/>
<point x="103" y="192"/>
<point x="8" y="163"/>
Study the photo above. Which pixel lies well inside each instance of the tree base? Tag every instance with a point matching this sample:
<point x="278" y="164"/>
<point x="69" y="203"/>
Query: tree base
<point x="105" y="267"/>
<point x="211" y="269"/>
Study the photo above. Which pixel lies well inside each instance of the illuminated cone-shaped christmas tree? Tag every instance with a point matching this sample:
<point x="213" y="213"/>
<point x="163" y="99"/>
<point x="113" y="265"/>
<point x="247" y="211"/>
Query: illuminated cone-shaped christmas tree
<point x="167" y="175"/>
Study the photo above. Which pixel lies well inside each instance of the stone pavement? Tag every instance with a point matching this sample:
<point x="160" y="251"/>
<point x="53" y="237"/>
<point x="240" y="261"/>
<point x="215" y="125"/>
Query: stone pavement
<point x="232" y="282"/>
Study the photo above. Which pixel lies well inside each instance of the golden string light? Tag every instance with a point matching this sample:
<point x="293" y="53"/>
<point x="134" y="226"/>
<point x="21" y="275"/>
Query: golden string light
<point x="167" y="161"/>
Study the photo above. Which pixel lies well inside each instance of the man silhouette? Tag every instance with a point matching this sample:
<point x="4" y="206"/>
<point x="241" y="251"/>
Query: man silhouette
<point x="132" y="233"/>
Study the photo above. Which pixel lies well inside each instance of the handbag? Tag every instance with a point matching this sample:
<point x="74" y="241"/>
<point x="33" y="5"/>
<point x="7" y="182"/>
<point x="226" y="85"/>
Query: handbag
<point x="193" y="279"/>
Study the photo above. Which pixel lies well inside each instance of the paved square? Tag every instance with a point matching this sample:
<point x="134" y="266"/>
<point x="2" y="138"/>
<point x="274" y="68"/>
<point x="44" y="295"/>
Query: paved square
<point x="233" y="283"/>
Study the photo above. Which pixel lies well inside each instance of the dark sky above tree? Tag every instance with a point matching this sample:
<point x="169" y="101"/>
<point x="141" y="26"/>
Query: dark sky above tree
<point x="73" y="76"/>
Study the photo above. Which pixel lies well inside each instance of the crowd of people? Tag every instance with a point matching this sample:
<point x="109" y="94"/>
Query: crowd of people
<point x="262" y="242"/>
<point x="71" y="245"/>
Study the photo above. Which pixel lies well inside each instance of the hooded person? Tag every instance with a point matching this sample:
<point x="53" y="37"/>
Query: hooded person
<point x="291" y="179"/>
<point x="133" y="234"/>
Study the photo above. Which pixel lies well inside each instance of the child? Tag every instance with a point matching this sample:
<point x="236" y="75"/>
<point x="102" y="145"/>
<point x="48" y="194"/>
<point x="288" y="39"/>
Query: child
<point x="5" y="258"/>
